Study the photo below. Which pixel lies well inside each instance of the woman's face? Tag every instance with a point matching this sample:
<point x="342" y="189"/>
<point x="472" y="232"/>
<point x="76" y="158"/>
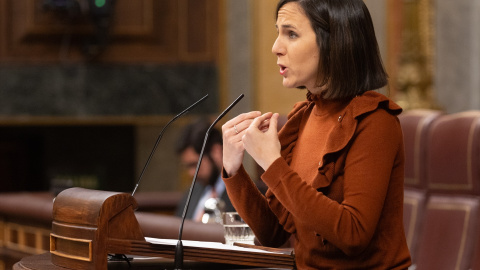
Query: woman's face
<point x="296" y="48"/>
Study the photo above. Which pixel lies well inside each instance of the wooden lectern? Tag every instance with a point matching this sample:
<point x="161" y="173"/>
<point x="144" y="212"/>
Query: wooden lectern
<point x="83" y="223"/>
<point x="90" y="224"/>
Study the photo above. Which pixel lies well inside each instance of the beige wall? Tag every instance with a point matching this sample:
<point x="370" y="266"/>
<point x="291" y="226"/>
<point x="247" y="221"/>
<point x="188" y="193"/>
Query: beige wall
<point x="378" y="11"/>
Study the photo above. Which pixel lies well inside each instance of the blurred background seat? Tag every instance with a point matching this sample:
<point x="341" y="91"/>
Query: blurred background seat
<point x="450" y="222"/>
<point x="415" y="126"/>
<point x="453" y="154"/>
<point x="413" y="213"/>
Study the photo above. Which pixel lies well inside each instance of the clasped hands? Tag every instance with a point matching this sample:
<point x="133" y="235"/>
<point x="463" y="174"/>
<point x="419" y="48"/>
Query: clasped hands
<point x="254" y="132"/>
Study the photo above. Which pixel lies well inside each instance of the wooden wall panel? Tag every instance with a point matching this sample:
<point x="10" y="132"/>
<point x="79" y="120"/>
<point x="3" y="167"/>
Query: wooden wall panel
<point x="198" y="27"/>
<point x="158" y="31"/>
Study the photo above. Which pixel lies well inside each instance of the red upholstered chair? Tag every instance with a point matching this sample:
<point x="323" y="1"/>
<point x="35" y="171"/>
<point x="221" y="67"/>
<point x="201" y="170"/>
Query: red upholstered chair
<point x="413" y="211"/>
<point x="449" y="226"/>
<point x="415" y="126"/>
<point x="451" y="217"/>
<point x="453" y="154"/>
<point x="476" y="253"/>
<point x="476" y="257"/>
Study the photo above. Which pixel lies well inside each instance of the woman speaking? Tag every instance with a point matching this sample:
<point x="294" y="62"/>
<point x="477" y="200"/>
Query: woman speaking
<point x="335" y="170"/>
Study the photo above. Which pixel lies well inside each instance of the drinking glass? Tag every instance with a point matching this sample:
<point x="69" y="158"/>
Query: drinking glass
<point x="236" y="229"/>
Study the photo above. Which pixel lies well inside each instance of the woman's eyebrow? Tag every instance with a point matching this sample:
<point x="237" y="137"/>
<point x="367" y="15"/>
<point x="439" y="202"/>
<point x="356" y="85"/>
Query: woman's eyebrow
<point x="285" y="26"/>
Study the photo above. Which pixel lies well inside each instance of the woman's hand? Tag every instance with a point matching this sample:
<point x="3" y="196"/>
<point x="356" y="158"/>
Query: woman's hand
<point x="261" y="140"/>
<point x="233" y="150"/>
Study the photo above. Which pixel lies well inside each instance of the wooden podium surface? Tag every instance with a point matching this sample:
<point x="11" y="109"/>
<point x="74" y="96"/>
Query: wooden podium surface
<point x="89" y="225"/>
<point x="44" y="262"/>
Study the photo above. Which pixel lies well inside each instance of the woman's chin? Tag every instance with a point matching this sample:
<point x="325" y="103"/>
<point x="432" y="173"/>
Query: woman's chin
<point x="288" y="84"/>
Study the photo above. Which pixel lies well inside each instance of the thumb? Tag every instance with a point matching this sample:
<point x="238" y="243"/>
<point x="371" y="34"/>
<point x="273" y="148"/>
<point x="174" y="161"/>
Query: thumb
<point x="274" y="122"/>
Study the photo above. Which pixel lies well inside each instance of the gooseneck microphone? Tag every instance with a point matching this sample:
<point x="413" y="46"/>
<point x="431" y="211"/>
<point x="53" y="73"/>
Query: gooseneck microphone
<point x="160" y="137"/>
<point x="179" y="248"/>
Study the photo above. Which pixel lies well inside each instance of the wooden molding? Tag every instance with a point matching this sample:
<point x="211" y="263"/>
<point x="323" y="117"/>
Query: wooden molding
<point x="157" y="31"/>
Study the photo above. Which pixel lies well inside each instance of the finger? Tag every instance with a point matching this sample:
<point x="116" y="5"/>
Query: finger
<point x="264" y="125"/>
<point x="237" y="129"/>
<point x="274" y="122"/>
<point x="259" y="121"/>
<point x="242" y="126"/>
<point x="240" y="119"/>
<point x="245" y="117"/>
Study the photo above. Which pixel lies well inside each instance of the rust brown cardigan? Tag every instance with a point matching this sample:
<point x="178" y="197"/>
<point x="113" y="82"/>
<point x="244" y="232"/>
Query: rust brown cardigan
<point x="351" y="216"/>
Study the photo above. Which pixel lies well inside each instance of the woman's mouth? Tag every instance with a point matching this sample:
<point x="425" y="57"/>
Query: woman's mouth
<point x="283" y="69"/>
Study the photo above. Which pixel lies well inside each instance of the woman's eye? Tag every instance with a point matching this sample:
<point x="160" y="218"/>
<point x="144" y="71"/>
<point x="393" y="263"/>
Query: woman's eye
<point x="292" y="34"/>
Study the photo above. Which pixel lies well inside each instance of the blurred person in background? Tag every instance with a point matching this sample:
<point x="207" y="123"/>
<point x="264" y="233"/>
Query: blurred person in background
<point x="209" y="183"/>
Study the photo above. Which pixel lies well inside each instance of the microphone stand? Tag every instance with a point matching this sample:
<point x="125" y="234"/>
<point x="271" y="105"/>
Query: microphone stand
<point x="179" y="247"/>
<point x="160" y="137"/>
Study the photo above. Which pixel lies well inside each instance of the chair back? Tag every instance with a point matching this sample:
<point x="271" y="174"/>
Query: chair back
<point x="453" y="154"/>
<point x="447" y="239"/>
<point x="415" y="126"/>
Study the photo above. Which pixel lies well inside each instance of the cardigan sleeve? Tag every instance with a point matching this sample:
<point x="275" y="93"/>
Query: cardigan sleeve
<point x="350" y="224"/>
<point x="254" y="209"/>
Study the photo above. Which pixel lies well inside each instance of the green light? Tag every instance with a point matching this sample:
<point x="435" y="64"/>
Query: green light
<point x="100" y="3"/>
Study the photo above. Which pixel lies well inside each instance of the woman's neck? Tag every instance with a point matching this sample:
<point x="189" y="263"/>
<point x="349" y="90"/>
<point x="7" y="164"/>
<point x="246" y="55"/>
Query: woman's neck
<point x="328" y="107"/>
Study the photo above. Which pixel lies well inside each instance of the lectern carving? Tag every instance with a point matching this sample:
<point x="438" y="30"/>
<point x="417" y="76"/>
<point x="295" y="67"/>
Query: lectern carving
<point x="84" y="221"/>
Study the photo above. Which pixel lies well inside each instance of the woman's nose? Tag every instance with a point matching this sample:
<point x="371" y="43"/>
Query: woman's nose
<point x="277" y="48"/>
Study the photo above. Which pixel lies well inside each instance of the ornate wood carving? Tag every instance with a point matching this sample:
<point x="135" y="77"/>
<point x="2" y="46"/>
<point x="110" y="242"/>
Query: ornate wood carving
<point x="158" y="31"/>
<point x="411" y="52"/>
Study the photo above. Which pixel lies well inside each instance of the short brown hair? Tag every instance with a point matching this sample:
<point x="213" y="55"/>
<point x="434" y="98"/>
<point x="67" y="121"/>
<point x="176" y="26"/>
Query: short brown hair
<point x="350" y="62"/>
